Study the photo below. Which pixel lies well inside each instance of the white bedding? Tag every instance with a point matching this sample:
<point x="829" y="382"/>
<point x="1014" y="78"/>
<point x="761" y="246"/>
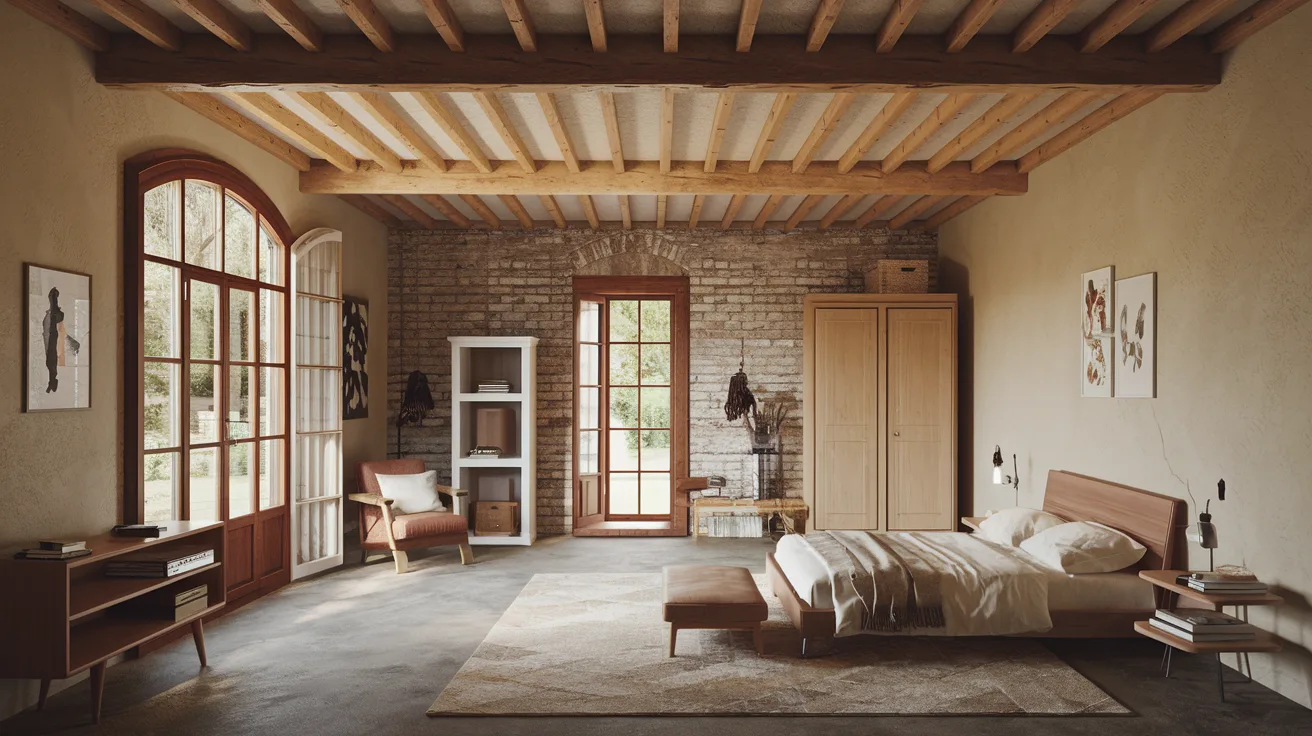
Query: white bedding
<point x="810" y="577"/>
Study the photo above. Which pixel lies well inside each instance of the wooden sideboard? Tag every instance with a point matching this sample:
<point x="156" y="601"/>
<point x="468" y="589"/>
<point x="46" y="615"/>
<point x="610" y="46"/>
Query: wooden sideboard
<point x="58" y="618"/>
<point x="793" y="510"/>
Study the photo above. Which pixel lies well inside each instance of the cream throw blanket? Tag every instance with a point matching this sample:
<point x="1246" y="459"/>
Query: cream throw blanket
<point x="935" y="583"/>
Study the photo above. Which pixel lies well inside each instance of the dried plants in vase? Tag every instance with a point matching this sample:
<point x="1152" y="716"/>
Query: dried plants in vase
<point x="765" y="422"/>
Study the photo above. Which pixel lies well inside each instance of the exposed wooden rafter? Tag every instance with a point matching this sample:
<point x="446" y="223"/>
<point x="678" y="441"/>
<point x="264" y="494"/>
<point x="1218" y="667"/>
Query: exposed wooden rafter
<point x="364" y="14"/>
<point x="999" y="113"/>
<point x="212" y="108"/>
<point x="1186" y="18"/>
<point x="455" y="130"/>
<point x="667" y="128"/>
<point x="662" y="205"/>
<point x="367" y="206"/>
<point x="590" y="211"/>
<point x="553" y="209"/>
<point x="1113" y="20"/>
<point x="379" y="107"/>
<point x="1060" y="109"/>
<point x="334" y="117"/>
<point x="731" y="212"/>
<point x="521" y="24"/>
<point x="67" y="21"/>
<point x="767" y="210"/>
<point x="557" y="125"/>
<point x="822" y="23"/>
<point x="914" y="210"/>
<point x="783" y="102"/>
<point x="496" y="114"/>
<point x="612" y="121"/>
<point x="878" y="209"/>
<point x="1249" y="21"/>
<point x="1040" y="23"/>
<point x="448" y="210"/>
<point x="670" y="26"/>
<point x="411" y="210"/>
<point x="895" y="24"/>
<point x="825" y="125"/>
<point x="696" y="213"/>
<point x="517" y="209"/>
<point x="444" y="20"/>
<point x="947" y="213"/>
<point x="969" y="23"/>
<point x="720" y="121"/>
<point x="264" y="107"/>
<point x="144" y="21"/>
<point x="1087" y="126"/>
<point x="802" y="211"/>
<point x="948" y="109"/>
<point x="481" y="209"/>
<point x="839" y="209"/>
<point x="751" y="10"/>
<point x="626" y="215"/>
<point x="889" y="114"/>
<point x="289" y="17"/>
<point x="596" y="23"/>
<point x="220" y="21"/>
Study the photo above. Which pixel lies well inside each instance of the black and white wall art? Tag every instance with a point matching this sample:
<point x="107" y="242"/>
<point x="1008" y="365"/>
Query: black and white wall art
<point x="1136" y="327"/>
<point x="355" y="345"/>
<point x="57" y="339"/>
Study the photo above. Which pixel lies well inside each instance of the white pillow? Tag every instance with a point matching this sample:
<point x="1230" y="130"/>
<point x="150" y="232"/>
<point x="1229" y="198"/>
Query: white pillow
<point x="1083" y="547"/>
<point x="1013" y="526"/>
<point x="411" y="494"/>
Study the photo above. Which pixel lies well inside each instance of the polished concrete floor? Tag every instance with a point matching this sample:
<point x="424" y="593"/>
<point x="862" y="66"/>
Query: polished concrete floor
<point x="364" y="651"/>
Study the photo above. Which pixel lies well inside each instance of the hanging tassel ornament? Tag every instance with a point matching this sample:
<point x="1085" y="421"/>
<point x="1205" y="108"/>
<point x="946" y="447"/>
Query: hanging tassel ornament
<point x="741" y="400"/>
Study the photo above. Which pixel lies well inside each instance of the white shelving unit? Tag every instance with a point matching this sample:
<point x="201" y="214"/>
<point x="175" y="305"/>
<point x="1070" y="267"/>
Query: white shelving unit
<point x="512" y="477"/>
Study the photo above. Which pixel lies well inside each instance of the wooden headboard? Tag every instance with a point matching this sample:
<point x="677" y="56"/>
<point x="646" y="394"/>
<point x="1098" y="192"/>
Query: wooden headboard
<point x="1157" y="522"/>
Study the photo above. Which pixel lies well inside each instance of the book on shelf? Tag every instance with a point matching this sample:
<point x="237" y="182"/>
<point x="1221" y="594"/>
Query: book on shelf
<point x="1223" y="577"/>
<point x="56" y="546"/>
<point x="164" y="563"/>
<point x="493" y="386"/>
<point x="138" y="530"/>
<point x="1206" y="587"/>
<point x="1200" y="621"/>
<point x="45" y="554"/>
<point x="1161" y="625"/>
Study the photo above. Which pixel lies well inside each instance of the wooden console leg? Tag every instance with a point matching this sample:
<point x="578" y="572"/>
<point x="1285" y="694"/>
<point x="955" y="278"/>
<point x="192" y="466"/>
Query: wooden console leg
<point x="198" y="636"/>
<point x="466" y="554"/>
<point x="45" y="693"/>
<point x="674" y="635"/>
<point x="97" y="690"/>
<point x="401" y="559"/>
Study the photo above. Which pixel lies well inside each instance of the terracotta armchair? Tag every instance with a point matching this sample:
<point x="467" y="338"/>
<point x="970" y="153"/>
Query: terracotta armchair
<point x="380" y="529"/>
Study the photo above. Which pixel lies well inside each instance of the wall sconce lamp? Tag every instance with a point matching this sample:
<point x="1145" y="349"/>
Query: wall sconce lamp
<point x="1204" y="532"/>
<point x="1000" y="479"/>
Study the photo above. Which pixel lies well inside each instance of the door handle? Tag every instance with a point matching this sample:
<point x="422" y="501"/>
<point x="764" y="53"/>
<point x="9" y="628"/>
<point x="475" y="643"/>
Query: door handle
<point x="897" y="434"/>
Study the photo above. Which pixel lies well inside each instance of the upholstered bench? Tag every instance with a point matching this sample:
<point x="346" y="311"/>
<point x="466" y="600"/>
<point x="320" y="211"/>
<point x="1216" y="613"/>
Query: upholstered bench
<point x="712" y="597"/>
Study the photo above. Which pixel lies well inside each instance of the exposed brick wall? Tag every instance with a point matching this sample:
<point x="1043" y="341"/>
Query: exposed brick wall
<point x="744" y="284"/>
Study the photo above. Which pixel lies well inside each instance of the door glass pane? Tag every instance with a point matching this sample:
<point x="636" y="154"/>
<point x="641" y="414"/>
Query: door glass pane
<point x="204" y="489"/>
<point x="160" y="398"/>
<point x="623" y="449"/>
<point x="161" y="486"/>
<point x="655" y="408"/>
<point x="272" y="330"/>
<point x="241" y="494"/>
<point x="160" y="318"/>
<point x="589" y="365"/>
<point x="655" y="493"/>
<point x="589" y="412"/>
<point x="273" y="391"/>
<point x="655" y="364"/>
<point x="589" y="459"/>
<point x="203" y="301"/>
<point x="241" y="315"/>
<point x="624" y="365"/>
<point x="202" y="221"/>
<point x="654" y="451"/>
<point x="623" y="321"/>
<point x="241" y="402"/>
<point x="272" y="257"/>
<point x="202" y="417"/>
<point x="623" y="491"/>
<point x="624" y="408"/>
<point x="273" y="463"/>
<point x="589" y="322"/>
<point x="318" y="398"/>
<point x="656" y="321"/>
<point x="238" y="239"/>
<point x="163" y="225"/>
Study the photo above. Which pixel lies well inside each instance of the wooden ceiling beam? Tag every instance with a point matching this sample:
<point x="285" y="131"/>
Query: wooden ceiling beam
<point x="626" y="215"/>
<point x="289" y="17"/>
<point x="496" y="114"/>
<point x="445" y="21"/>
<point x="999" y="113"/>
<point x="553" y="209"/>
<point x="670" y="27"/>
<point x="695" y="214"/>
<point x="612" y="121"/>
<point x="1109" y="25"/>
<point x="948" y="109"/>
<point x="379" y="107"/>
<point x="548" y="103"/>
<point x="411" y="210"/>
<point x="731" y="212"/>
<point x="367" y="206"/>
<point x="481" y="209"/>
<point x="777" y="64"/>
<point x="892" y="111"/>
<point x="878" y="209"/>
<point x="667" y="128"/>
<point x="685" y="177"/>
<point x="802" y="211"/>
<point x="662" y="205"/>
<point x="1060" y="109"/>
<point x="1040" y="23"/>
<point x="364" y="14"/>
<point x="1080" y="131"/>
<point x="332" y="115"/>
<point x="1249" y="21"/>
<point x="825" y="125"/>
<point x="263" y="106"/>
<point x="455" y="130"/>
<point x="747" y="15"/>
<point x="67" y="21"/>
<point x="783" y="102"/>
<point x="521" y="24"/>
<point x="839" y="209"/>
<point x="767" y="211"/>
<point x="212" y="108"/>
<point x="913" y="210"/>
<point x="895" y="24"/>
<point x="145" y="22"/>
<point x="1186" y="18"/>
<point x="823" y="21"/>
<point x="516" y="207"/>
<point x="947" y="213"/>
<point x="969" y="23"/>
<point x="220" y="21"/>
<point x="590" y="211"/>
<point x="448" y="210"/>
<point x="723" y="109"/>
<point x="596" y="24"/>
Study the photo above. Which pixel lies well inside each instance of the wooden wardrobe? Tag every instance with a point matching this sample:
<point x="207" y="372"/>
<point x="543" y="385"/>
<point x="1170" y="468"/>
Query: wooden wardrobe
<point x="880" y="411"/>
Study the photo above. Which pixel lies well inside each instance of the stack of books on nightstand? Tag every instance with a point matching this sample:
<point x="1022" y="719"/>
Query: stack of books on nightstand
<point x="1198" y="625"/>
<point x="1213" y="582"/>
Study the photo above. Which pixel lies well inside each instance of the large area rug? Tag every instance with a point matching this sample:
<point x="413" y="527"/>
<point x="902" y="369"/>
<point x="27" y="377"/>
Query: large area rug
<point x="595" y="644"/>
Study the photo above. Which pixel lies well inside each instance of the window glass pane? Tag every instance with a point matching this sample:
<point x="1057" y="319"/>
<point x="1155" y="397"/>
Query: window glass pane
<point x="163" y="225"/>
<point x="273" y="463"/>
<point x="624" y="408"/>
<point x="624" y="365"/>
<point x="655" y="407"/>
<point x="202" y="417"/>
<point x="241" y="402"/>
<point x="589" y="322"/>
<point x="273" y="391"/>
<point x="589" y="461"/>
<point x="655" y="450"/>
<point x="238" y="238"/>
<point x="589" y="412"/>
<point x="204" y="488"/>
<point x="623" y="449"/>
<point x="160" y="411"/>
<point x="241" y="314"/>
<point x="241" y="494"/>
<point x="655" y="493"/>
<point x="623" y="321"/>
<point x="655" y="364"/>
<point x="272" y="326"/>
<point x="161" y="486"/>
<point x="623" y="492"/>
<point x="203" y="301"/>
<point x="318" y="400"/>
<point x="160" y="320"/>
<point x="656" y="321"/>
<point x="272" y="258"/>
<point x="316" y="271"/>
<point x="202" y="221"/>
<point x="318" y="331"/>
<point x="589" y="365"/>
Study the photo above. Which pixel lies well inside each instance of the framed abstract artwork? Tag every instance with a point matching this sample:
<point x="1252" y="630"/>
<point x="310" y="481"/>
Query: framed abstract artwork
<point x="56" y="339"/>
<point x="1097" y="329"/>
<point x="355" y="347"/>
<point x="1136" y="327"/>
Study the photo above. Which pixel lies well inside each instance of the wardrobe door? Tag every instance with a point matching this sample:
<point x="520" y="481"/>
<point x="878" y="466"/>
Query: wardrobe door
<point x="846" y="418"/>
<point x="921" y="419"/>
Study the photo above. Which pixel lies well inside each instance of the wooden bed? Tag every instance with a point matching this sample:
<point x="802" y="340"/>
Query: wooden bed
<point x="1155" y="521"/>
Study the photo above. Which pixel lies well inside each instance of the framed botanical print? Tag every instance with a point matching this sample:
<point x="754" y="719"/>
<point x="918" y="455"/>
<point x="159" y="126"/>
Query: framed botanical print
<point x="355" y="347"/>
<point x="56" y="339"/>
<point x="1096" y="332"/>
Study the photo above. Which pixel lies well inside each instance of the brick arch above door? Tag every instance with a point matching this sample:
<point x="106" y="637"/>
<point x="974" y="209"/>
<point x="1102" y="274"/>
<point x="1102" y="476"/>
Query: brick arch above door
<point x="630" y="254"/>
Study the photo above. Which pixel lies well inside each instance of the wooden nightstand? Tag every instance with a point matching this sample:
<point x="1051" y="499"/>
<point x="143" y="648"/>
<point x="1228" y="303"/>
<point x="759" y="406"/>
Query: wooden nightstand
<point x="1173" y="591"/>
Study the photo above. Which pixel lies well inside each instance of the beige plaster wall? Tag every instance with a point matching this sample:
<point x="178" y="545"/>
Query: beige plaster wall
<point x="1214" y="193"/>
<point x="63" y="139"/>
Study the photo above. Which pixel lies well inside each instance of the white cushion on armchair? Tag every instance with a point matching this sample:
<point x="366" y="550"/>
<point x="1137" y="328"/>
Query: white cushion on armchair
<point x="411" y="494"/>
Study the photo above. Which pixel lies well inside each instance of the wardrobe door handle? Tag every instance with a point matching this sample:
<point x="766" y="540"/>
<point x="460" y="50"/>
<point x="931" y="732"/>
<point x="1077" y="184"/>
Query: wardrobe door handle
<point x="897" y="434"/>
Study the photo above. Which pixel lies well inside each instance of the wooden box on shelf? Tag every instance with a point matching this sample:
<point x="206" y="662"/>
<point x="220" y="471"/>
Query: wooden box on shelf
<point x="492" y="518"/>
<point x="58" y="618"/>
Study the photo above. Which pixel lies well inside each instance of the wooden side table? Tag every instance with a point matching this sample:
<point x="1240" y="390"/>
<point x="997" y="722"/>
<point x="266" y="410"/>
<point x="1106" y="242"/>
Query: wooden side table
<point x="1172" y="592"/>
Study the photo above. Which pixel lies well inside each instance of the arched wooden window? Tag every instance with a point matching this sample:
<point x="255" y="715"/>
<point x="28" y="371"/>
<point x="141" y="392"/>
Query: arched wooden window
<point x="206" y="358"/>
